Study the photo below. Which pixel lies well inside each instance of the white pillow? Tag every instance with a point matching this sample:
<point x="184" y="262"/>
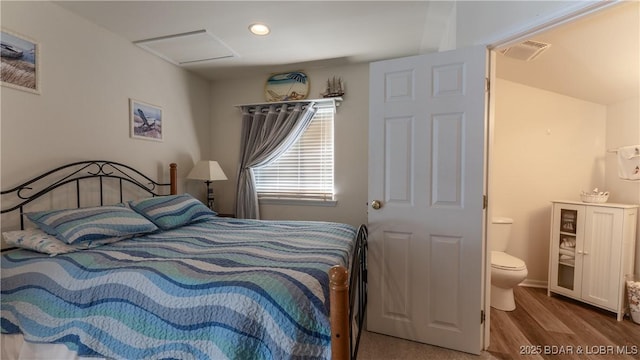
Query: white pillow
<point x="38" y="240"/>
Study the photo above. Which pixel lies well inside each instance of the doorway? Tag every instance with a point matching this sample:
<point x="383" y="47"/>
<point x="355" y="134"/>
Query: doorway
<point x="555" y="121"/>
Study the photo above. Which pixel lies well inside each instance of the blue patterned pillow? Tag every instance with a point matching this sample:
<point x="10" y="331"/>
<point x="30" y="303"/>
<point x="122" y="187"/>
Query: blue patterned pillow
<point x="169" y="212"/>
<point x="90" y="224"/>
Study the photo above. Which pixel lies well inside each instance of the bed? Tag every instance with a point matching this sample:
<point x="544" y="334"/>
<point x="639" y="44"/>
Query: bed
<point x="172" y="280"/>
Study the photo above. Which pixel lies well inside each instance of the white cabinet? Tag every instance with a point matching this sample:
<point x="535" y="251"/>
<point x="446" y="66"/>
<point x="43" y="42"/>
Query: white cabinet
<point x="592" y="248"/>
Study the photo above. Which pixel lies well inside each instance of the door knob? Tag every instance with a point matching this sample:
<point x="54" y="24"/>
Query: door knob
<point x="376" y="204"/>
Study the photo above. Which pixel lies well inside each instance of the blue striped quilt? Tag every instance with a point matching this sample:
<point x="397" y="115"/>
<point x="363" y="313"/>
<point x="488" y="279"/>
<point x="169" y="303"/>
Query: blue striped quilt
<point x="220" y="289"/>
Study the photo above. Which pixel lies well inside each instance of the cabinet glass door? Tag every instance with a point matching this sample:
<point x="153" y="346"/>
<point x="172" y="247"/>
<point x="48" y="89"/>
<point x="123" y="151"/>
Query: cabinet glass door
<point x="567" y="248"/>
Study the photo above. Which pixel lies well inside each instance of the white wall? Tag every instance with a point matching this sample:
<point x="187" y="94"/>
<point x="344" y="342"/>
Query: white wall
<point x="87" y="77"/>
<point x="351" y="141"/>
<point x="547" y="147"/>
<point x="623" y="129"/>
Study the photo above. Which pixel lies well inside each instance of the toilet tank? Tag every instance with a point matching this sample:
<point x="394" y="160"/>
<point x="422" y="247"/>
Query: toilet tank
<point x="500" y="233"/>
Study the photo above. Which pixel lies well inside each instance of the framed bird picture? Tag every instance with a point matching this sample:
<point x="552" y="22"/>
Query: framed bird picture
<point x="287" y="86"/>
<point x="146" y="121"/>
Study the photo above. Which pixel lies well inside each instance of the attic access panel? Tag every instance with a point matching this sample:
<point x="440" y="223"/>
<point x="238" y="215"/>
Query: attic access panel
<point x="187" y="48"/>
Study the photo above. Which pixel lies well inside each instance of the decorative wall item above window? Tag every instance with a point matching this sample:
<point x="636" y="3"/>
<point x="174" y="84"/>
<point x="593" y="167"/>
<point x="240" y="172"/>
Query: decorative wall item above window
<point x="287" y="86"/>
<point x="335" y="88"/>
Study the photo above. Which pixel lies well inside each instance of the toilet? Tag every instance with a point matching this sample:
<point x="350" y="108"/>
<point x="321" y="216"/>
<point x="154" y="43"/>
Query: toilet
<point x="507" y="271"/>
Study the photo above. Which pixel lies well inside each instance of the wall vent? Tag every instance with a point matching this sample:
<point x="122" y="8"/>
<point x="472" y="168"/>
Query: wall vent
<point x="527" y="50"/>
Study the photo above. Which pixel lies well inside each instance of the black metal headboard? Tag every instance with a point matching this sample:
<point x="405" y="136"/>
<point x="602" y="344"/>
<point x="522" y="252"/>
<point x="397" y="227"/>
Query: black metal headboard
<point x="25" y="193"/>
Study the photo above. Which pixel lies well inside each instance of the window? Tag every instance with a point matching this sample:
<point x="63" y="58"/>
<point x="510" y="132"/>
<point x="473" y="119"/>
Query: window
<point x="305" y="171"/>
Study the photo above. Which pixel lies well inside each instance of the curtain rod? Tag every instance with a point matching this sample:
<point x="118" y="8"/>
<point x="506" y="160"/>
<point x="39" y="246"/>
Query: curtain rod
<point x="335" y="100"/>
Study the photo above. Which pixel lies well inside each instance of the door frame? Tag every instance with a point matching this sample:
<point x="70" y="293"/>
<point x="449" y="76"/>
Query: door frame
<point x="566" y="16"/>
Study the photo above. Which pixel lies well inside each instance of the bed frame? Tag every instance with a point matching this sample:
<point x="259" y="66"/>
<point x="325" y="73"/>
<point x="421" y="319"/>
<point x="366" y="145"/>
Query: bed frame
<point x="348" y="291"/>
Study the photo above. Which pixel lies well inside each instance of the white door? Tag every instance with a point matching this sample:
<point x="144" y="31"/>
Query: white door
<point x="427" y="170"/>
<point x="602" y="256"/>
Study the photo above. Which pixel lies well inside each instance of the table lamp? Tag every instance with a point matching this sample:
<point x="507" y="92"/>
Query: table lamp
<point x="208" y="171"/>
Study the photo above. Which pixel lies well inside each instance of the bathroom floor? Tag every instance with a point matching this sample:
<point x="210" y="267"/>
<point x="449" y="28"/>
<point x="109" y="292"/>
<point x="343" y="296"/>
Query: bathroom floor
<point x="557" y="327"/>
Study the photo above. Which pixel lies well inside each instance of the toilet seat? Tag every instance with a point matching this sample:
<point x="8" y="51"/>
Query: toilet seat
<point x="504" y="261"/>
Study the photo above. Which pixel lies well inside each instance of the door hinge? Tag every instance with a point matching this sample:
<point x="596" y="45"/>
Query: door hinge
<point x="481" y="316"/>
<point x="485" y="201"/>
<point x="487" y="84"/>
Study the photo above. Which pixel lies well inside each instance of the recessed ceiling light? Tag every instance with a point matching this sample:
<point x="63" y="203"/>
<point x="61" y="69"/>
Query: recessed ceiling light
<point x="259" y="29"/>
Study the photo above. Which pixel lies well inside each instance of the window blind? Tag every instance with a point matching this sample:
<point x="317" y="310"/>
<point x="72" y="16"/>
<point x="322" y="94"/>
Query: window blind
<point x="305" y="171"/>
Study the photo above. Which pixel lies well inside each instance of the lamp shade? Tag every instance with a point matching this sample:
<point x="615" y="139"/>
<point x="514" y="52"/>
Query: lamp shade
<point x="207" y="170"/>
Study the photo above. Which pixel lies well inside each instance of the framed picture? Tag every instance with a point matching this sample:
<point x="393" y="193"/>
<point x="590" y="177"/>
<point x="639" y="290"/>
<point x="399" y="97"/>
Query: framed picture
<point x="146" y="121"/>
<point x="20" y="62"/>
<point x="287" y="86"/>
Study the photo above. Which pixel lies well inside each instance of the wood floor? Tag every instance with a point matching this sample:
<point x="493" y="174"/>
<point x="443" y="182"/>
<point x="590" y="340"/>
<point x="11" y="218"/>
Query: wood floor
<point x="557" y="327"/>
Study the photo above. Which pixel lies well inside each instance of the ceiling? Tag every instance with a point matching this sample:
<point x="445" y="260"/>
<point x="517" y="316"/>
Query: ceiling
<point x="595" y="58"/>
<point x="586" y="60"/>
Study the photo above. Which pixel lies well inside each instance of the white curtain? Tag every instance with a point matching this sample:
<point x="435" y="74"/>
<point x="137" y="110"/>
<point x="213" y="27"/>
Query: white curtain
<point x="267" y="132"/>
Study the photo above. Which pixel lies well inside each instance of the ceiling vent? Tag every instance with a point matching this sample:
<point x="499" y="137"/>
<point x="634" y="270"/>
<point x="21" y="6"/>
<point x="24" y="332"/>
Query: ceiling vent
<point x="187" y="48"/>
<point x="527" y="50"/>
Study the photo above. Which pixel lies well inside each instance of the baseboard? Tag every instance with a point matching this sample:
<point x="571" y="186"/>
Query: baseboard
<point x="535" y="283"/>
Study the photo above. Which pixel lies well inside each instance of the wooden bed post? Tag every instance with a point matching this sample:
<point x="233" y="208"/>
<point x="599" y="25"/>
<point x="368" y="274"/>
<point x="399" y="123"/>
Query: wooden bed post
<point x="173" y="176"/>
<point x="339" y="308"/>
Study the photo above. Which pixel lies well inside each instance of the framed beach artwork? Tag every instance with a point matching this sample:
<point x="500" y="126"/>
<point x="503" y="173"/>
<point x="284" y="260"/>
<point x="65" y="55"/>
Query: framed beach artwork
<point x="20" y="62"/>
<point x="287" y="86"/>
<point x="146" y="121"/>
